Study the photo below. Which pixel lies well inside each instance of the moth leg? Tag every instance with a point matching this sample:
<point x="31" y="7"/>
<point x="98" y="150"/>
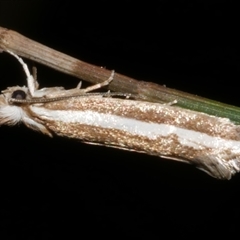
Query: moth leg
<point x="79" y="85"/>
<point x="34" y="70"/>
<point x="30" y="79"/>
<point x="99" y="85"/>
<point x="171" y="103"/>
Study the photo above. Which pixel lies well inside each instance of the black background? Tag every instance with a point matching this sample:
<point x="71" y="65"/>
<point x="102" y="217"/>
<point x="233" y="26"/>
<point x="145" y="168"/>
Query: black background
<point x="59" y="187"/>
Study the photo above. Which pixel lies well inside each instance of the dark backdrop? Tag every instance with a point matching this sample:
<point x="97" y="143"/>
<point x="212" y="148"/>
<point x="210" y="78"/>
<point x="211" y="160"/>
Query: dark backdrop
<point x="58" y="187"/>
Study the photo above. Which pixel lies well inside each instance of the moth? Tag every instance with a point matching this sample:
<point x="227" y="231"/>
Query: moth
<point x="210" y="143"/>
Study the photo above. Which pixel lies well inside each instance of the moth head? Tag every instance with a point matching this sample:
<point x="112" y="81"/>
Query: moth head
<point x="11" y="113"/>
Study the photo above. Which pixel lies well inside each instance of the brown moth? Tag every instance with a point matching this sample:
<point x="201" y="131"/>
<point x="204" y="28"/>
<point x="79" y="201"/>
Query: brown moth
<point x="211" y="143"/>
